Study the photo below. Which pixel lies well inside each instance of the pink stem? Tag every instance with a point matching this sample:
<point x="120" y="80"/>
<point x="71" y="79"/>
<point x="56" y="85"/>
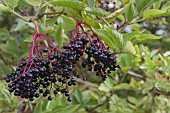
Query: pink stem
<point x="30" y="54"/>
<point x="98" y="38"/>
<point x="75" y="31"/>
<point x="31" y="50"/>
<point x="36" y="27"/>
<point x="81" y="28"/>
<point x="94" y="34"/>
<point x="44" y="44"/>
<point x="37" y="31"/>
<point x="51" y="42"/>
<point x="38" y="46"/>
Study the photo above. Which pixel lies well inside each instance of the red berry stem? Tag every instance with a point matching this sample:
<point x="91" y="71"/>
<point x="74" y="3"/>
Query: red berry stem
<point x="37" y="31"/>
<point x="51" y="42"/>
<point x="75" y="30"/>
<point x="33" y="49"/>
<point x="94" y="35"/>
<point x="31" y="52"/>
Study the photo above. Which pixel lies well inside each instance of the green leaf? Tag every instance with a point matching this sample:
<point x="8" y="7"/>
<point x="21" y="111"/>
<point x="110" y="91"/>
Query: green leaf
<point x="126" y="61"/>
<point x="132" y="99"/>
<point x="122" y="86"/>
<point x="129" y="36"/>
<point x="112" y="38"/>
<point x="58" y="108"/>
<point x="107" y="85"/>
<point x="68" y="23"/>
<point x="104" y="36"/>
<point x="129" y="48"/>
<point x="4" y="68"/>
<point x="45" y="105"/>
<point x="133" y="83"/>
<point x="69" y="109"/>
<point x="21" y="25"/>
<point x="28" y="38"/>
<point x="55" y="102"/>
<point x="130" y="12"/>
<point x="91" y="3"/>
<point x="10" y="47"/>
<point x="114" y="15"/>
<point x="104" y="88"/>
<point x="6" y="94"/>
<point x="116" y="37"/>
<point x="137" y="50"/>
<point x="146" y="36"/>
<point x="160" y="85"/>
<point x="154" y="13"/>
<point x="12" y="3"/>
<point x="4" y="34"/>
<point x="86" y="96"/>
<point x="69" y="3"/>
<point x="166" y="6"/>
<point x="94" y="95"/>
<point x="142" y="4"/>
<point x="95" y="11"/>
<point x="4" y="8"/>
<point x="38" y="107"/>
<point x="157" y="4"/>
<point x="90" y="21"/>
<point x="74" y="12"/>
<point x="58" y="36"/>
<point x="34" y="2"/>
<point x="78" y="95"/>
<point x="124" y="2"/>
<point x="75" y="100"/>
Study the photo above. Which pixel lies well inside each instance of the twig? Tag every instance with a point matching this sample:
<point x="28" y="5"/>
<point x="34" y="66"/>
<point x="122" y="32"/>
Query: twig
<point x="122" y="26"/>
<point x="37" y="16"/>
<point x="39" y="9"/>
<point x="104" y="21"/>
<point x="49" y="13"/>
<point x="86" y="83"/>
<point x="140" y="20"/>
<point x="135" y="75"/>
<point x="107" y="104"/>
<point x="99" y="105"/>
<point x="153" y="103"/>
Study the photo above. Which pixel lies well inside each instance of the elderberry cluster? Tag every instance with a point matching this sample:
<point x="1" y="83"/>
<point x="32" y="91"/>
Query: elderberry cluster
<point x="100" y="60"/>
<point x="48" y="72"/>
<point x="43" y="75"/>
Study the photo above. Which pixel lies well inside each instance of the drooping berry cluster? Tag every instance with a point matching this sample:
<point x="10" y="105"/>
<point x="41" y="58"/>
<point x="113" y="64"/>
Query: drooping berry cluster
<point x="100" y="60"/>
<point x="49" y="70"/>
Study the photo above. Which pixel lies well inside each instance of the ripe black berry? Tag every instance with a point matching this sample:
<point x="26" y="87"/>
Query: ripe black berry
<point x="45" y="50"/>
<point x="55" y="92"/>
<point x="69" y="99"/>
<point x="50" y="98"/>
<point x="41" y="91"/>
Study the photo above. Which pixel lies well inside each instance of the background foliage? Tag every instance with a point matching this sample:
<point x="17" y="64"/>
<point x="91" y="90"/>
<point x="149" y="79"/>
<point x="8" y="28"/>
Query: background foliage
<point x="136" y="30"/>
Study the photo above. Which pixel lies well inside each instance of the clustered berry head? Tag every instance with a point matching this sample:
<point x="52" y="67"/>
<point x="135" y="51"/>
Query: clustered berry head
<point x="49" y="71"/>
<point x="100" y="60"/>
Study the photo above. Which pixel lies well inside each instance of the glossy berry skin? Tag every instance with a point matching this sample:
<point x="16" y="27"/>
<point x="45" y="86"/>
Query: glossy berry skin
<point x="55" y="92"/>
<point x="69" y="99"/>
<point x="50" y="98"/>
<point x="45" y="50"/>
